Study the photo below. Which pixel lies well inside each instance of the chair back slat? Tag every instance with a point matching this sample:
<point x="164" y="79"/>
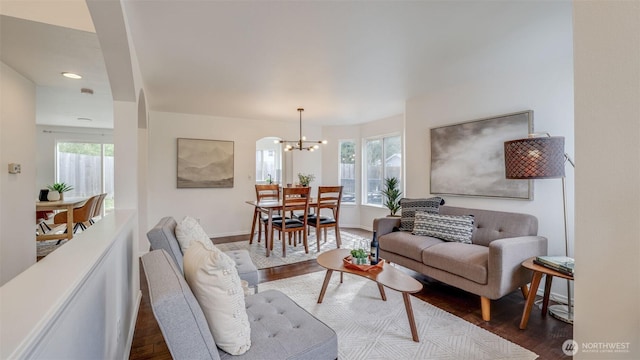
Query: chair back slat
<point x="267" y="192"/>
<point x="296" y="198"/>
<point x="329" y="197"/>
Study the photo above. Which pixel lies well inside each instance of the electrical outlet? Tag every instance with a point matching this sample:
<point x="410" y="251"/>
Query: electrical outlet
<point x="14" y="168"/>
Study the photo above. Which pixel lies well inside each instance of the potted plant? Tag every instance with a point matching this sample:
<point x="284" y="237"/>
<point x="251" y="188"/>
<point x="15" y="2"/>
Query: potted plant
<point x="59" y="189"/>
<point x="305" y="179"/>
<point x="359" y="256"/>
<point x="392" y="194"/>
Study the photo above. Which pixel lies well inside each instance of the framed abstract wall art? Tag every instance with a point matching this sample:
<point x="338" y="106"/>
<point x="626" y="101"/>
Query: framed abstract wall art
<point x="205" y="163"/>
<point x="468" y="158"/>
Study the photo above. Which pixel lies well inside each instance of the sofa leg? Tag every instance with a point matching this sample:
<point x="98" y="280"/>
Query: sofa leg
<point x="525" y="291"/>
<point x="485" y="304"/>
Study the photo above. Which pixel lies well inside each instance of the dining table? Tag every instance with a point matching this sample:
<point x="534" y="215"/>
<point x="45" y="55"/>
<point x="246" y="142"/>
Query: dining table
<point x="270" y="207"/>
<point x="66" y="204"/>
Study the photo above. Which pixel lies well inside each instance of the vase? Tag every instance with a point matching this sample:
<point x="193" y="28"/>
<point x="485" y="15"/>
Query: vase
<point x="54" y="196"/>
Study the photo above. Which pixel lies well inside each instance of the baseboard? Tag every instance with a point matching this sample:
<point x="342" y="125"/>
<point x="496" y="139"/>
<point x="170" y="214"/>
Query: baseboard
<point x="559" y="298"/>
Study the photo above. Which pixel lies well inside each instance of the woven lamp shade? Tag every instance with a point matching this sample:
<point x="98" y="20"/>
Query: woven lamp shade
<point x="534" y="158"/>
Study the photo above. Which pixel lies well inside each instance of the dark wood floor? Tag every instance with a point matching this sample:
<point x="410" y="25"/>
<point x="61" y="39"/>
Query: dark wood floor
<point x="544" y="336"/>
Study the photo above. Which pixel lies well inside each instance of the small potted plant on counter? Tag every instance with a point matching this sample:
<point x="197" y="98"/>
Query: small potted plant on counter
<point x="57" y="190"/>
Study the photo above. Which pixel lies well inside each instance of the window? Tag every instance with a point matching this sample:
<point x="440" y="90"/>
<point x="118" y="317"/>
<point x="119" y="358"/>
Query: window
<point x="88" y="167"/>
<point x="383" y="159"/>
<point x="268" y="161"/>
<point x="348" y="170"/>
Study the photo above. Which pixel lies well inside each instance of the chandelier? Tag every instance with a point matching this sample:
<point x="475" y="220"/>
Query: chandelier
<point x="302" y="143"/>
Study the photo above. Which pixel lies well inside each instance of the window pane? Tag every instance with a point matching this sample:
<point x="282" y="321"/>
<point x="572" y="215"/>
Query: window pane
<point x="109" y="166"/>
<point x="393" y="158"/>
<point x="80" y="165"/>
<point x="374" y="172"/>
<point x="89" y="168"/>
<point x="348" y="170"/>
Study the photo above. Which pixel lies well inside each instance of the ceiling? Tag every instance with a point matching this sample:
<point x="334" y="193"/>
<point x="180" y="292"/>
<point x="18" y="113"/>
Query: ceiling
<point x="41" y="53"/>
<point x="345" y="62"/>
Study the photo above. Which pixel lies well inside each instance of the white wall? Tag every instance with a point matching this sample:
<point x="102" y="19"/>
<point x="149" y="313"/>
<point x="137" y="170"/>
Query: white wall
<point x="17" y="145"/>
<point x="222" y="211"/>
<point x="349" y="213"/>
<point x="538" y="76"/>
<point x="607" y="106"/>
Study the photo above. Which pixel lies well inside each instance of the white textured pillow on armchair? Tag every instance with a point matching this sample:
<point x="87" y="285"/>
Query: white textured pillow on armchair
<point x="213" y="278"/>
<point x="189" y="230"/>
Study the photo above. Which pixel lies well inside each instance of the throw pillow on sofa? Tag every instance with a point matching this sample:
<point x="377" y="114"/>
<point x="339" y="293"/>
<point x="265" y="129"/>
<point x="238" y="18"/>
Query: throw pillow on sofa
<point x="213" y="279"/>
<point x="411" y="206"/>
<point x="445" y="227"/>
<point x="189" y="230"/>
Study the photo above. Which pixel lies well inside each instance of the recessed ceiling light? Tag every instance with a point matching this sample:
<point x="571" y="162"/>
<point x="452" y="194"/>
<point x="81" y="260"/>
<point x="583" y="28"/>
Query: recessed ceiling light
<point x="71" y="75"/>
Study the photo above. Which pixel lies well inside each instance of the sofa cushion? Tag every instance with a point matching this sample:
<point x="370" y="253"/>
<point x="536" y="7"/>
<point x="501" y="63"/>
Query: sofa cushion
<point x="214" y="280"/>
<point x="163" y="236"/>
<point x="410" y="206"/>
<point x="491" y="225"/>
<point x="445" y="227"/>
<point x="466" y="260"/>
<point x="246" y="268"/>
<point x="281" y="329"/>
<point x="406" y="244"/>
<point x="189" y="230"/>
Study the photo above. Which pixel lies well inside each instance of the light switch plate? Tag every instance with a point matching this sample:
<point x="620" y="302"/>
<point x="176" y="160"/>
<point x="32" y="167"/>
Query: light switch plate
<point x="14" y="168"/>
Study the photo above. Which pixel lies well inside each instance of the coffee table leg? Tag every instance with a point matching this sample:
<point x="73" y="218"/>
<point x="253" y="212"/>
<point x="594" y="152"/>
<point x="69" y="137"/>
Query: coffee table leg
<point x="382" y="294"/>
<point x="327" y="277"/>
<point x="412" y="321"/>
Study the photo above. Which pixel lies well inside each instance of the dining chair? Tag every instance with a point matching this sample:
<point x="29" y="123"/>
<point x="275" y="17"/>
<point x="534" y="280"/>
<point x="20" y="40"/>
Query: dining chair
<point x="41" y="218"/>
<point x="80" y="215"/>
<point x="329" y="197"/>
<point x="97" y="209"/>
<point x="264" y="192"/>
<point x="293" y="199"/>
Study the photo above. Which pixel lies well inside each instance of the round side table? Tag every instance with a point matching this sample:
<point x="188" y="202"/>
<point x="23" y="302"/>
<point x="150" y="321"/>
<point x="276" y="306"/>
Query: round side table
<point x="538" y="271"/>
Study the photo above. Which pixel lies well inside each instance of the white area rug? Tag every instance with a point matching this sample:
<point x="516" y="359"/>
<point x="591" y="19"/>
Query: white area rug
<point x="294" y="254"/>
<point x="44" y="248"/>
<point x="369" y="328"/>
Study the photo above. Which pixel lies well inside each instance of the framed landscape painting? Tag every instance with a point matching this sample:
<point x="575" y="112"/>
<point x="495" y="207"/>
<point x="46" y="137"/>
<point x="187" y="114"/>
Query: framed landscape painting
<point x="205" y="163"/>
<point x="468" y="158"/>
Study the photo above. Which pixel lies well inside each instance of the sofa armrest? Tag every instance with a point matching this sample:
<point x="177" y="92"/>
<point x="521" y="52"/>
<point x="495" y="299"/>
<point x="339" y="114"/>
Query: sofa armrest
<point x="385" y="225"/>
<point x="505" y="262"/>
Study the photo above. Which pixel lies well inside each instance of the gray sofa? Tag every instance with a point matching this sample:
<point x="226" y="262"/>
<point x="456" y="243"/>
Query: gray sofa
<point x="163" y="236"/>
<point x="280" y="328"/>
<point x="489" y="267"/>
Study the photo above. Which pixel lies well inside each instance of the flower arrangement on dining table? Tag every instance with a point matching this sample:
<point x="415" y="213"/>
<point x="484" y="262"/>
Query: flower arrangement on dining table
<point x="305" y="179"/>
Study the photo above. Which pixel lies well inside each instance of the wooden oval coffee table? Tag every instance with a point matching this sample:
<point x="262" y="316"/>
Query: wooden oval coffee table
<point x="387" y="276"/>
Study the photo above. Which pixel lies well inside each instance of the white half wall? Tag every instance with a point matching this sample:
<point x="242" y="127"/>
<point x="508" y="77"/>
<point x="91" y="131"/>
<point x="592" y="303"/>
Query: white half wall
<point x="221" y="211"/>
<point x="17" y="145"/>
<point x="607" y="103"/>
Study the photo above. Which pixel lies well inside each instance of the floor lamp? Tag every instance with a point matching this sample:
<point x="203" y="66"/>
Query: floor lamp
<point x="542" y="158"/>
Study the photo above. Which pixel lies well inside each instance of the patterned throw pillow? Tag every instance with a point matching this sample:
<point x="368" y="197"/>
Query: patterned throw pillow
<point x="410" y="206"/>
<point x="445" y="227"/>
